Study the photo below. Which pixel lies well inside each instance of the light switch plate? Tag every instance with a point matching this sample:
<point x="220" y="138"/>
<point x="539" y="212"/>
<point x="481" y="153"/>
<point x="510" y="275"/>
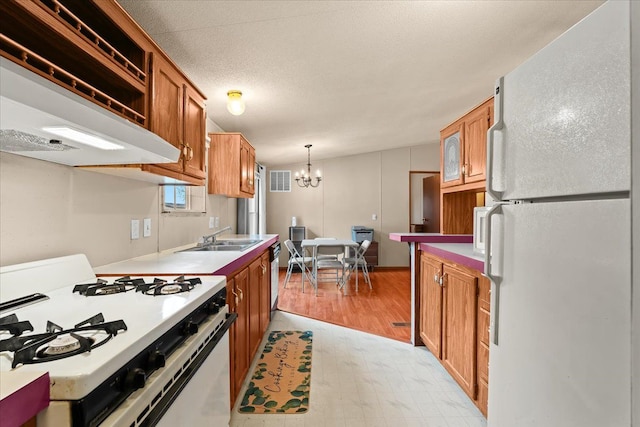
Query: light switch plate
<point x="212" y="222"/>
<point x="374" y="217"/>
<point x="146" y="227"/>
<point x="217" y="221"/>
<point x="135" y="229"/>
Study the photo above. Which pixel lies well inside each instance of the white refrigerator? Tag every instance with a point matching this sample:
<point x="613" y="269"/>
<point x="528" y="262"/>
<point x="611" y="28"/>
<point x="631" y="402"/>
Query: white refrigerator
<point x="559" y="239"/>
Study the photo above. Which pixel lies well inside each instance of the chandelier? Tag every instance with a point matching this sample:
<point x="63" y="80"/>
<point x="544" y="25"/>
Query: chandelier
<point x="303" y="178"/>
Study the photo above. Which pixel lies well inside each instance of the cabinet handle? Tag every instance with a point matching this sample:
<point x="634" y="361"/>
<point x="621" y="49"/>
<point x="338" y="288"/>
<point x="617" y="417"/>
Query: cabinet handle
<point x="264" y="269"/>
<point x="235" y="295"/>
<point x="184" y="151"/>
<point x="188" y="153"/>
<point x="435" y="278"/>
<point x="464" y="169"/>
<point x="241" y="294"/>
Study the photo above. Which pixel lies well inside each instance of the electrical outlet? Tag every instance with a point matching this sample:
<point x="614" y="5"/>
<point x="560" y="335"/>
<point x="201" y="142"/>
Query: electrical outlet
<point x="217" y="221"/>
<point x="374" y="217"/>
<point x="212" y="222"/>
<point x="135" y="229"/>
<point x="146" y="227"/>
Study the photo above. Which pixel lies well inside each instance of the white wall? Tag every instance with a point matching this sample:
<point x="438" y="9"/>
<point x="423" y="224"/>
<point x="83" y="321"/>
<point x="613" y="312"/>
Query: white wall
<point x="50" y="210"/>
<point x="352" y="190"/>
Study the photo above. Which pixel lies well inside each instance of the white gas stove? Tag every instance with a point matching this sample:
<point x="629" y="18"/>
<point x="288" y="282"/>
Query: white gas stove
<point x="142" y="326"/>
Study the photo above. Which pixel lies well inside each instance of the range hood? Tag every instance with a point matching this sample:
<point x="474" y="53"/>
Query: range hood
<point x="29" y="104"/>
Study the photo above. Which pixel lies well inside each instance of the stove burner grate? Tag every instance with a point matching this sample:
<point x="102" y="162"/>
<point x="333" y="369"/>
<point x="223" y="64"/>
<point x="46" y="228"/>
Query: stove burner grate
<point x="102" y="287"/>
<point x="37" y="348"/>
<point x="163" y="287"/>
<point x="15" y="327"/>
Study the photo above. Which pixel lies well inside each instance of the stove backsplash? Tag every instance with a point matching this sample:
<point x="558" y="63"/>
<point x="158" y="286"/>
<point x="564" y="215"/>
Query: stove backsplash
<point x="49" y="210"/>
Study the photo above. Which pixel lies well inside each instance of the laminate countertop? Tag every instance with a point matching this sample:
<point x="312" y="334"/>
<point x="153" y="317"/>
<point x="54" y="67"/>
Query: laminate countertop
<point x="22" y="396"/>
<point x="174" y="262"/>
<point x="453" y="247"/>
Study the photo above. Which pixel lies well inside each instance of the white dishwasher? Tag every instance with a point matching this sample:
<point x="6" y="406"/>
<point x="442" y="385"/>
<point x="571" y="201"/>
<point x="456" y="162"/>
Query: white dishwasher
<point x="274" y="257"/>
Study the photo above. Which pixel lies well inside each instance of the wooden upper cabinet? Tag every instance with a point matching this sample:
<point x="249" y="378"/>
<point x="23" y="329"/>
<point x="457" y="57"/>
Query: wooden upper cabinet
<point x="91" y="48"/>
<point x="231" y="165"/>
<point x="94" y="49"/>
<point x="463" y="148"/>
<point x="178" y="116"/>
<point x="195" y="123"/>
<point x="167" y="101"/>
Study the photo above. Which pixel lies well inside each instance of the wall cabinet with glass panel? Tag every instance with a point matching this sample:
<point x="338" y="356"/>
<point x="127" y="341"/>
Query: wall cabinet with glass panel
<point x="463" y="149"/>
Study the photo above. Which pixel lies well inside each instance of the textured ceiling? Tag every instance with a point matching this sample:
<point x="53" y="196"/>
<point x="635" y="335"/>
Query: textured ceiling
<point x="348" y="77"/>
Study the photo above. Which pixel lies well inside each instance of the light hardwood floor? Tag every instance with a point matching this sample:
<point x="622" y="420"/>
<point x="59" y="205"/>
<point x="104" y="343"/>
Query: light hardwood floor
<point x="385" y="310"/>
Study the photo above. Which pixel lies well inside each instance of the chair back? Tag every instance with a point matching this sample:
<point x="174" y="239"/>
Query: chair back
<point x="291" y="248"/>
<point x="363" y="248"/>
<point x="330" y="250"/>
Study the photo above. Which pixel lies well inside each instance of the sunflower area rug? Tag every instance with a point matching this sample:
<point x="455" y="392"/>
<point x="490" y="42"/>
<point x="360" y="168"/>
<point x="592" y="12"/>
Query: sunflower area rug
<point x="282" y="379"/>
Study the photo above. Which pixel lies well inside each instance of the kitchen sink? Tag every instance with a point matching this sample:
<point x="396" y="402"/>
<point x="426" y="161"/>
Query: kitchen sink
<point x="224" y="245"/>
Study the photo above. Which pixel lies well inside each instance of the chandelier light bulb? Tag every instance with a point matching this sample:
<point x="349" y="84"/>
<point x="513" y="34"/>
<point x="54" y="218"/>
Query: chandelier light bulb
<point x="235" y="104"/>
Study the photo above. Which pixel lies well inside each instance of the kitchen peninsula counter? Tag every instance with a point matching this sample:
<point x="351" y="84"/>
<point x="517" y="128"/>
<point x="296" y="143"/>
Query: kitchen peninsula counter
<point x="174" y="262"/>
<point x="457" y="248"/>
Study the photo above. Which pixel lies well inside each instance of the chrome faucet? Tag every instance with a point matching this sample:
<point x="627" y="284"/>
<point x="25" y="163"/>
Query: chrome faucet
<point x="210" y="239"/>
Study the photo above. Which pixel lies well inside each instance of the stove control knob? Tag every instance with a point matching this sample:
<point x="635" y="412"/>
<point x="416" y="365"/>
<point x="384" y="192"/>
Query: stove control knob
<point x="135" y="379"/>
<point x="157" y="360"/>
<point x="190" y="328"/>
<point x="213" y="307"/>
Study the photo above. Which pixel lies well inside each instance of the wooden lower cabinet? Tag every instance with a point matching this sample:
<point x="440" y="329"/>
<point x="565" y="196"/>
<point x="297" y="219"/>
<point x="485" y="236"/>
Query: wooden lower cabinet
<point x="459" y="327"/>
<point x="247" y="290"/>
<point x="431" y="304"/>
<point x="454" y="321"/>
<point x="237" y="291"/>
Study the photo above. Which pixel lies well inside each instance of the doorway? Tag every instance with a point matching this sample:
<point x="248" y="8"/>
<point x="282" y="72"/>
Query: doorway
<point x="424" y="202"/>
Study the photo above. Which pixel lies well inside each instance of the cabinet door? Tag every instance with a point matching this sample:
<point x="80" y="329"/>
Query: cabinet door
<point x="459" y="327"/>
<point x="452" y="155"/>
<point x="247" y="167"/>
<point x="255" y="281"/>
<point x="240" y="331"/>
<point x="265" y="294"/>
<point x="167" y="103"/>
<point x="475" y="144"/>
<point x="194" y="133"/>
<point x="431" y="304"/>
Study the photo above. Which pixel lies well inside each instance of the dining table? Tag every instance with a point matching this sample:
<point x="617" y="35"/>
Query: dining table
<point x="313" y="244"/>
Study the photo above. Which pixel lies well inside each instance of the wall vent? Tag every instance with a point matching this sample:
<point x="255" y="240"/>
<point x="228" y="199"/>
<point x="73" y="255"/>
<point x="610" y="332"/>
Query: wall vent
<point x="280" y="181"/>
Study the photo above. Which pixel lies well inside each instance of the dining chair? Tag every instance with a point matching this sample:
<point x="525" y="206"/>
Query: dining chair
<point x="297" y="260"/>
<point x="329" y="258"/>
<point x="358" y="260"/>
<point x="326" y="256"/>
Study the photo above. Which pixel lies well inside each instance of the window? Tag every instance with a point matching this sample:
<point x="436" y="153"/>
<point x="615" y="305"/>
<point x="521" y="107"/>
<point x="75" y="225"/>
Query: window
<point x="280" y="181"/>
<point x="182" y="198"/>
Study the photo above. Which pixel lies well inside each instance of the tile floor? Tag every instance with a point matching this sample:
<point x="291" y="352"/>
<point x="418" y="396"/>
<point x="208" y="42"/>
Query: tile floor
<point x="359" y="379"/>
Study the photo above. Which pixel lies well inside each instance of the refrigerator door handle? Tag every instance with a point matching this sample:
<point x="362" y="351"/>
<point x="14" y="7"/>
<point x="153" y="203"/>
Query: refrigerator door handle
<point x="498" y="124"/>
<point x="495" y="280"/>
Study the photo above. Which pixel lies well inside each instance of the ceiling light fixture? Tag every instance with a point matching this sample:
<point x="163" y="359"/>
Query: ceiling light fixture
<point x="235" y="104"/>
<point x="82" y="137"/>
<point x="304" y="178"/>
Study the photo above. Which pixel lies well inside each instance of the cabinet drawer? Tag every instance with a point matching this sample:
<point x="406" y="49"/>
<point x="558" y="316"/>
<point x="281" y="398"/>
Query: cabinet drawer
<point x="483" y="362"/>
<point x="483" y="397"/>
<point x="484" y="291"/>
<point x="483" y="326"/>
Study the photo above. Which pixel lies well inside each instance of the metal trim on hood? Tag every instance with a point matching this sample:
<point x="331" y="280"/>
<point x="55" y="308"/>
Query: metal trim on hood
<point x="29" y="102"/>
